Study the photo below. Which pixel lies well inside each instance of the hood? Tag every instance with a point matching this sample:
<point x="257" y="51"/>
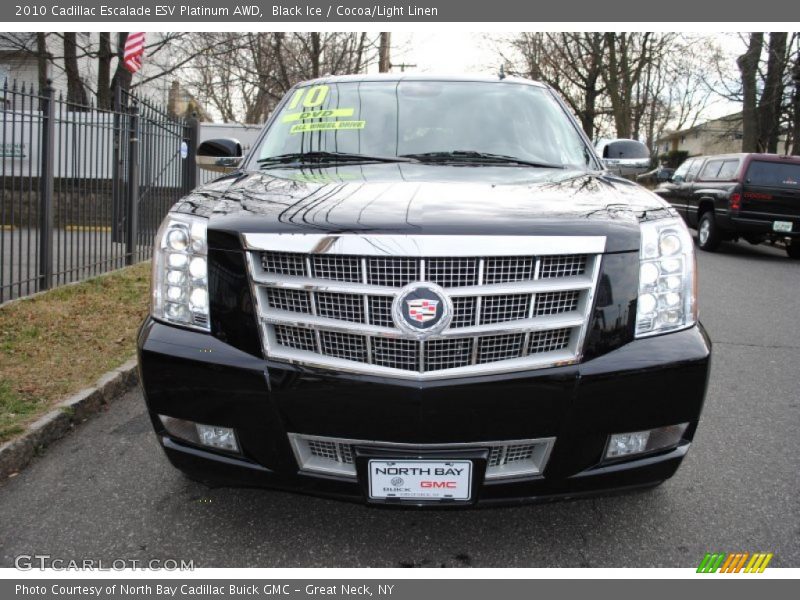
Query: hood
<point x="412" y="198"/>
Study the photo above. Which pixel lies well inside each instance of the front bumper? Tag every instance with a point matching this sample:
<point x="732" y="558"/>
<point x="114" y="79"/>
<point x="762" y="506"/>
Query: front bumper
<point x="645" y="384"/>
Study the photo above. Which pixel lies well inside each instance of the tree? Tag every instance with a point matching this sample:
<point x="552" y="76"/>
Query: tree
<point x="76" y="92"/>
<point x="769" y="105"/>
<point x="796" y="107"/>
<point x="104" y="56"/>
<point x="384" y="52"/>
<point x="748" y="67"/>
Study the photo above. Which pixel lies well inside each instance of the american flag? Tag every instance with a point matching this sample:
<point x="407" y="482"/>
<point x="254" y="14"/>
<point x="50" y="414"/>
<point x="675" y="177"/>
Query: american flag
<point x="134" y="50"/>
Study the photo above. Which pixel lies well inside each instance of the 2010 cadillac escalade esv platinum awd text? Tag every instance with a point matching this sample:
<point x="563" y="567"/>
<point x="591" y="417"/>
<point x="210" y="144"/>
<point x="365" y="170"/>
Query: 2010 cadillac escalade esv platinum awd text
<point x="423" y="291"/>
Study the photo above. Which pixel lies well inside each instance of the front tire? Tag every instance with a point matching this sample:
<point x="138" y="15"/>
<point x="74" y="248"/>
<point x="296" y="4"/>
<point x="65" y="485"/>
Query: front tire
<point x="708" y="236"/>
<point x="793" y="250"/>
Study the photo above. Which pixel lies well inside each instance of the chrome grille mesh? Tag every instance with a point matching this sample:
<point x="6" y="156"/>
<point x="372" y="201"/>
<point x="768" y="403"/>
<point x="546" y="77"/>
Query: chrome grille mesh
<point x="298" y="338"/>
<point x="448" y="353"/>
<point x="548" y="341"/>
<point x="507" y="307"/>
<point x="563" y="266"/>
<point x="446" y="272"/>
<point x="380" y="311"/>
<point x="289" y="300"/>
<point x="505" y="269"/>
<point x="392" y="272"/>
<point x="452" y="272"/>
<point x="500" y="347"/>
<point x="553" y="303"/>
<point x="343" y="345"/>
<point x="344" y="307"/>
<point x="327" y="307"/>
<point x="336" y="268"/>
<point x="284" y="263"/>
<point x="463" y="311"/>
<point x="396" y="353"/>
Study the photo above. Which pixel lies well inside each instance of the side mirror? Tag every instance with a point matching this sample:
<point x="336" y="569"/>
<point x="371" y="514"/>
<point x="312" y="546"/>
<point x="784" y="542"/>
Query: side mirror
<point x="626" y="157"/>
<point x="222" y="155"/>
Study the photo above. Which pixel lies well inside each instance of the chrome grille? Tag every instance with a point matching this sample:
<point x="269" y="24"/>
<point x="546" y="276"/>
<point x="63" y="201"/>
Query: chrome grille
<point x="289" y="300"/>
<point x="512" y="458"/>
<point x="511" y="307"/>
<point x="343" y="345"/>
<point x="463" y="311"/>
<point x="284" y="263"/>
<point x="448" y="353"/>
<point x="563" y="266"/>
<point x="334" y="309"/>
<point x="548" y="341"/>
<point x="344" y="307"/>
<point x="505" y="269"/>
<point x="452" y="272"/>
<point x="298" y="338"/>
<point x="396" y="353"/>
<point x="392" y="272"/>
<point x="380" y="310"/>
<point x="336" y="268"/>
<point x="500" y="347"/>
<point x="553" y="303"/>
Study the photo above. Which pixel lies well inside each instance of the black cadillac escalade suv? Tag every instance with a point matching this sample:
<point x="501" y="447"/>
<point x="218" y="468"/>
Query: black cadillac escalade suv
<point x="423" y="291"/>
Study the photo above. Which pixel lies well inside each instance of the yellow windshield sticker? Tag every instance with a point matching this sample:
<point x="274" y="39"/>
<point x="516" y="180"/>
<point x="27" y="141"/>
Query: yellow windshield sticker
<point x="327" y="126"/>
<point x="311" y="97"/>
<point x="331" y="113"/>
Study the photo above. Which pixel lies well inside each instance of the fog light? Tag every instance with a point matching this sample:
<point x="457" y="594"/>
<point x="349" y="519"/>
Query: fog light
<point x="217" y="437"/>
<point x="222" y="438"/>
<point x="621" y="445"/>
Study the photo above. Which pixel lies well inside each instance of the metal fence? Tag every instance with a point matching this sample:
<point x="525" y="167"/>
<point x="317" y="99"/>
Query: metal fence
<point x="84" y="189"/>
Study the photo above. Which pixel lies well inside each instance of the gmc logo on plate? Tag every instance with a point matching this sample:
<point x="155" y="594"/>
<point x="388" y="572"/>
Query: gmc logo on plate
<point x="438" y="484"/>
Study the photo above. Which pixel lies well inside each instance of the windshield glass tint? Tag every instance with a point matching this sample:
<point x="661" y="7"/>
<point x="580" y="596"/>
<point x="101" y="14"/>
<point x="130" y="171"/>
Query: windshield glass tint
<point x="774" y="174"/>
<point x="415" y="117"/>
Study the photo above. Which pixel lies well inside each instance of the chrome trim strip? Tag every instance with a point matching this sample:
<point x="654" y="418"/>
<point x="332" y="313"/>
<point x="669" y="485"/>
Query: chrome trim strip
<point x="545" y="323"/>
<point x="423" y="245"/>
<point x="296" y="439"/>
<point x="532" y="362"/>
<point x="560" y="284"/>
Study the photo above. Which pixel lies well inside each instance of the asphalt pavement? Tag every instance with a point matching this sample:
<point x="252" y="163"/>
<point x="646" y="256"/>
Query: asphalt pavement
<point x="107" y="492"/>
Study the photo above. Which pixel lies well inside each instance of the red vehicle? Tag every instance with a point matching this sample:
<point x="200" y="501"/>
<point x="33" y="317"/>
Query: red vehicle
<point x="755" y="197"/>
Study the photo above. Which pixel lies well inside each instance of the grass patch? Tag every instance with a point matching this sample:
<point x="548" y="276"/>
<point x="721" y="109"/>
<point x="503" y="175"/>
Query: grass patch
<point x="61" y="341"/>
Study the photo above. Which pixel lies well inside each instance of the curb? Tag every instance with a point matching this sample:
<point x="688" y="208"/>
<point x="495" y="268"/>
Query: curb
<point x="67" y="414"/>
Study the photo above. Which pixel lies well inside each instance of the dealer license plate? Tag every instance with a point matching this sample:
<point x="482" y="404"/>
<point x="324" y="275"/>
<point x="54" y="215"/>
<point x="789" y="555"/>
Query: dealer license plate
<point x="420" y="479"/>
<point x="782" y="226"/>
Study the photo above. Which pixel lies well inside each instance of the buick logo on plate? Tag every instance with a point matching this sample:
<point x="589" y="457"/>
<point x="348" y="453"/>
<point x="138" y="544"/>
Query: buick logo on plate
<point x="397" y="481"/>
<point x="422" y="309"/>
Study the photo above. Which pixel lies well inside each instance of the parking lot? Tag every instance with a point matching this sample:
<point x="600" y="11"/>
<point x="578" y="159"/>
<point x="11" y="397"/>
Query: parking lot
<point x="107" y="492"/>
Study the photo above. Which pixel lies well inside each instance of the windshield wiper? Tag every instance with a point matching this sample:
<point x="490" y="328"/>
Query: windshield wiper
<point x="475" y="156"/>
<point x="322" y="156"/>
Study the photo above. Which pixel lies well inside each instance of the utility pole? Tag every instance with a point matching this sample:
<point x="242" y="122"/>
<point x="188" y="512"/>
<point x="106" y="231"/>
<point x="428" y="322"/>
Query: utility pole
<point x="384" y="58"/>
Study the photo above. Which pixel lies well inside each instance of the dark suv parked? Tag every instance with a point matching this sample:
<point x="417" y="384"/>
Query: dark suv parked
<point x="751" y="196"/>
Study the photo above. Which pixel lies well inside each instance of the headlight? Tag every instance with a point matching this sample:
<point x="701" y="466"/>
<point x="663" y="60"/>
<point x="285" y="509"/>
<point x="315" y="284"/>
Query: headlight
<point x="667" y="281"/>
<point x="180" y="272"/>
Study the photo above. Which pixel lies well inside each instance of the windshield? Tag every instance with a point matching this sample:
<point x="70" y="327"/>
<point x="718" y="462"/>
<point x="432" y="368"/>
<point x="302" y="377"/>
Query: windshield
<point x="427" y="120"/>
